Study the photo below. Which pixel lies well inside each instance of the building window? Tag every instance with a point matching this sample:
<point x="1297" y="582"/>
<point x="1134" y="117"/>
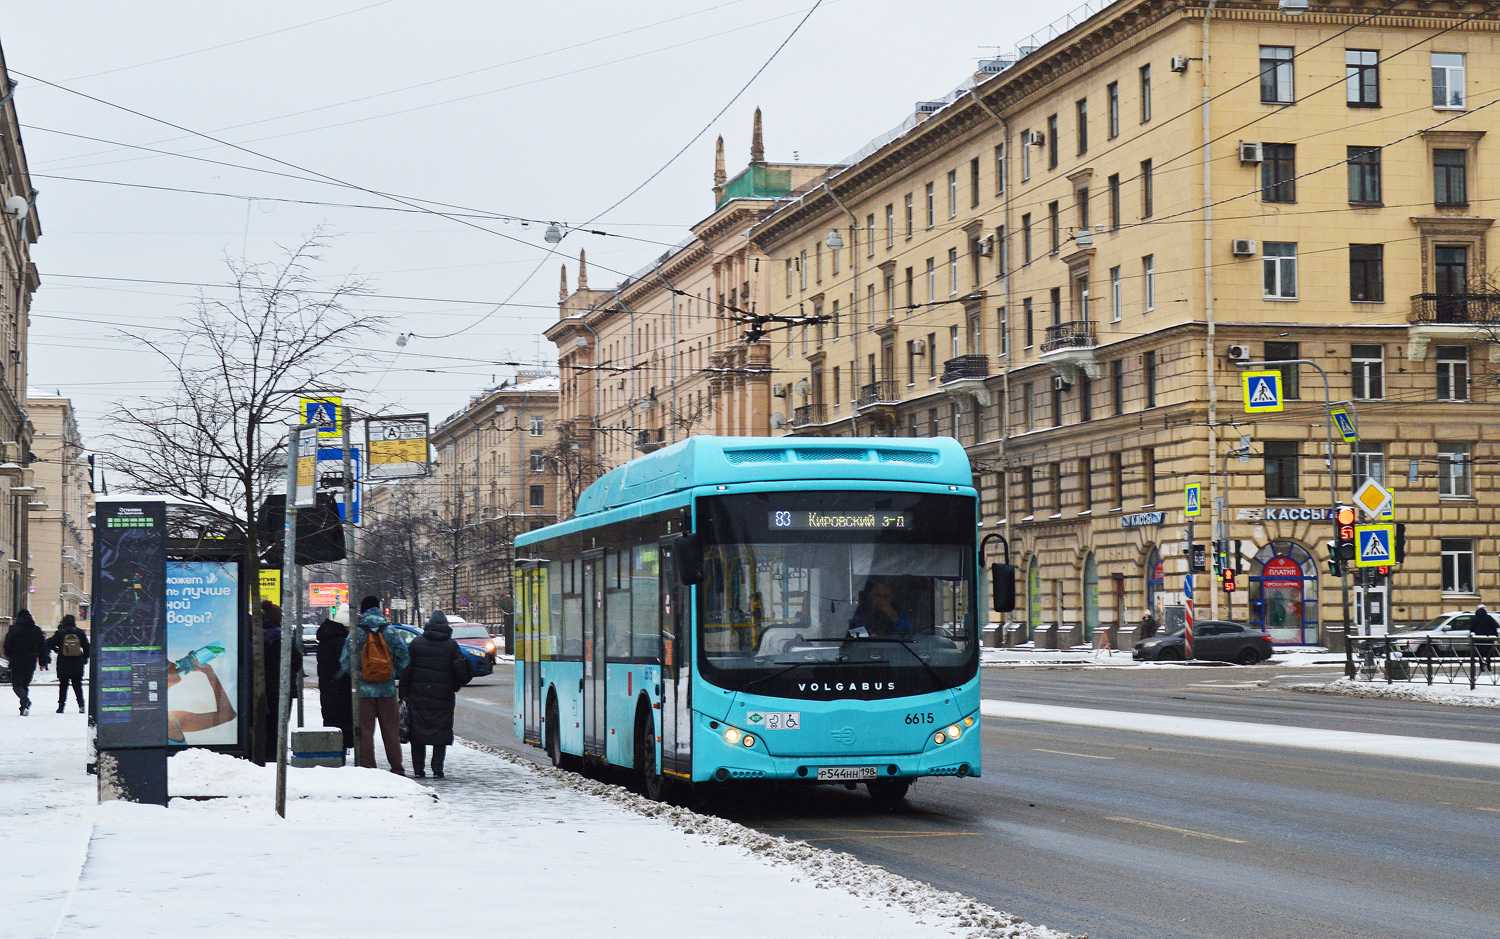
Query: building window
<point x="870" y="235"/>
<point x="1029" y="404"/>
<point x="1281" y="469"/>
<point x="974" y="183"/>
<point x="1148" y="190"/>
<point x="931" y="206"/>
<point x="890" y="225"/>
<point x="1004" y="332"/>
<point x="1148" y="278"/>
<point x="1117" y="385"/>
<point x="1025" y="155"/>
<point x="1085" y="396"/>
<point x="1279" y="265"/>
<point x="932" y="368"/>
<point x="1148" y="476"/>
<point x="1112" y="107"/>
<point x="1026" y="238"/>
<point x="1056" y="294"/>
<point x="538" y="425"/>
<point x="1082" y="108"/>
<point x="1367" y="272"/>
<point x="789" y="277"/>
<point x="1291" y="386"/>
<point x="909" y="218"/>
<point x="1369" y="463"/>
<point x="802" y="270"/>
<point x="1453" y="373"/>
<point x="1052" y="142"/>
<point x="1148" y="377"/>
<point x="931" y="280"/>
<point x="1081" y="195"/>
<point x="1002" y="253"/>
<point x="999" y="169"/>
<point x="1458" y="565"/>
<point x="1362" y="78"/>
<point x="1117" y="479"/>
<point x="1449" y="172"/>
<point x="1145" y="93"/>
<point x="1114" y="202"/>
<point x="1085" y="484"/>
<point x="952" y="193"/>
<point x="1278" y="173"/>
<point x="834" y="315"/>
<point x="1028" y="322"/>
<point x="1054" y="472"/>
<point x="538" y="497"/>
<point x="538" y="461"/>
<point x="1364" y="175"/>
<point x="1276" y="74"/>
<point x="1054" y="225"/>
<point x="1028" y="487"/>
<point x="1057" y="404"/>
<point x="1367" y="371"/>
<point x="1115" y="295"/>
<point x="1448" y="81"/>
<point x="1453" y="469"/>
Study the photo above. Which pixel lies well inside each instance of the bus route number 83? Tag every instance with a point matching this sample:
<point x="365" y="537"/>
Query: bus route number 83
<point x="919" y="717"/>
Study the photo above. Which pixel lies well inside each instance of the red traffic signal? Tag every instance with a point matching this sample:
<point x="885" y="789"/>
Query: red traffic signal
<point x="1383" y="570"/>
<point x="1345" y="517"/>
<point x="1227" y="580"/>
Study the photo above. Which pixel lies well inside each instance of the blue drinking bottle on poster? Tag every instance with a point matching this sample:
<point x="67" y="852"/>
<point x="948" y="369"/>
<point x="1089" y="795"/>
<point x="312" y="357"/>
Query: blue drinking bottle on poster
<point x="198" y="658"/>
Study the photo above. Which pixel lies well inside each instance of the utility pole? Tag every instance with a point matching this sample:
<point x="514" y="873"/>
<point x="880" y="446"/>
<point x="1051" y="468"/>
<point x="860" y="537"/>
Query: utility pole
<point x="351" y="552"/>
<point x="288" y="570"/>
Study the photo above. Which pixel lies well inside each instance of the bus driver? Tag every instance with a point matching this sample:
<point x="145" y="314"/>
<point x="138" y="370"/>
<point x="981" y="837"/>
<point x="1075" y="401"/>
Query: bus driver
<point x="877" y="614"/>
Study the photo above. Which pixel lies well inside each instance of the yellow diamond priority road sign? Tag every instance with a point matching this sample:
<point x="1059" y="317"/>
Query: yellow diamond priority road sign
<point x="1373" y="498"/>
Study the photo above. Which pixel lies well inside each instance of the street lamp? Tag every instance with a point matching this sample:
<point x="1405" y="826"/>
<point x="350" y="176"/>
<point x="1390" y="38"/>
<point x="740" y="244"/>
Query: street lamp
<point x="834" y="241"/>
<point x="554" y="234"/>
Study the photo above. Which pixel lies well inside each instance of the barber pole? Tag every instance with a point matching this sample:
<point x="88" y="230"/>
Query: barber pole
<point x="1187" y="633"/>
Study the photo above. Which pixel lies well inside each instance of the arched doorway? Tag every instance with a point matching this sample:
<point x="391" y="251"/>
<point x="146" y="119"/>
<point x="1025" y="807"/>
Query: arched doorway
<point x="1284" y="593"/>
<point x="1090" y="597"/>
<point x="1033" y="597"/>
<point x="1155" y="583"/>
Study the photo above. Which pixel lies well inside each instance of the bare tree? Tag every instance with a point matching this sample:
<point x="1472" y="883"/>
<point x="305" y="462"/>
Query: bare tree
<point x="576" y="467"/>
<point x="239" y="363"/>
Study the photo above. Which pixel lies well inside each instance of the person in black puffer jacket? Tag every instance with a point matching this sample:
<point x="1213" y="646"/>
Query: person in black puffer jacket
<point x="438" y="669"/>
<point x="70" y="667"/>
<point x="333" y="681"/>
<point x="26" y="648"/>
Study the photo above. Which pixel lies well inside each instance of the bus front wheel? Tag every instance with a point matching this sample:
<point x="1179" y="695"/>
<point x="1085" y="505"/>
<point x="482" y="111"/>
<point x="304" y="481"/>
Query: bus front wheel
<point x="554" y="741"/>
<point x="652" y="785"/>
<point x="888" y="793"/>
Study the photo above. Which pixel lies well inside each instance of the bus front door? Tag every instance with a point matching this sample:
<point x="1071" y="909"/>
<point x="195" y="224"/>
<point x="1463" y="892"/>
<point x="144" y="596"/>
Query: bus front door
<point x="676" y="668"/>
<point x="594" y="729"/>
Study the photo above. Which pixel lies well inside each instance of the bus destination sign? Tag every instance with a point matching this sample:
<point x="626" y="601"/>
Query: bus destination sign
<point x="838" y="521"/>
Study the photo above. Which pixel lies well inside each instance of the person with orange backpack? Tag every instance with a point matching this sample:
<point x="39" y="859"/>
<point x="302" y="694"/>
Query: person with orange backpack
<point x="376" y="658"/>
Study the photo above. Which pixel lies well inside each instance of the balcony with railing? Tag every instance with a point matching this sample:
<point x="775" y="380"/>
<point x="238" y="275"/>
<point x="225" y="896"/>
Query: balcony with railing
<point x="964" y="367"/>
<point x="1078" y="334"/>
<point x="1444" y="316"/>
<point x="808" y="415"/>
<point x="878" y="394"/>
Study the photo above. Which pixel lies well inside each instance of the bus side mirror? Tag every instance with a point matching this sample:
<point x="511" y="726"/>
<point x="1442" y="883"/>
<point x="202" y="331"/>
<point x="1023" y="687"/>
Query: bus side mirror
<point x="689" y="559"/>
<point x="1003" y="583"/>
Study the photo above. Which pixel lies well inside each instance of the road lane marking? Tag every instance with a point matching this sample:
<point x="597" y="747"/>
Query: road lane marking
<point x="914" y="834"/>
<point x="1086" y="756"/>
<point x="485" y="704"/>
<point x="1480" y="808"/>
<point x="1180" y="831"/>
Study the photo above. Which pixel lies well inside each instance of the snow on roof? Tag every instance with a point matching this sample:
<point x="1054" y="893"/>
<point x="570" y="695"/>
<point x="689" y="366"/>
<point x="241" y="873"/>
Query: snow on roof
<point x="541" y="383"/>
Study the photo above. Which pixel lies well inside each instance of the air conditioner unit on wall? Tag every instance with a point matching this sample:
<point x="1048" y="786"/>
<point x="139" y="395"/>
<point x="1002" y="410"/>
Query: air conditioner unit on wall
<point x="1252" y="152"/>
<point x="918" y="346"/>
<point x="778" y="391"/>
<point x="1243" y="247"/>
<point x="1179" y="63"/>
<point x="987" y="245"/>
<point x="1059" y="383"/>
<point x="1238" y="353"/>
<point x="1035" y="138"/>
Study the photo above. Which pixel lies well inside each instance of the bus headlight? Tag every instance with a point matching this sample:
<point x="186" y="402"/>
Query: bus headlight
<point x="732" y="735"/>
<point x="953" y="731"/>
<point x="939" y="737"/>
<point x="749" y="740"/>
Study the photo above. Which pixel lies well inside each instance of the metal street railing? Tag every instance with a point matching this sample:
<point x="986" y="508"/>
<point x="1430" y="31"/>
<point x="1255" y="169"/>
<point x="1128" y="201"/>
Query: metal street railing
<point x="1454" y="658"/>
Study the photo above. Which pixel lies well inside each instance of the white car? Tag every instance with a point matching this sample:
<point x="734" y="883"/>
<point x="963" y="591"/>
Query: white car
<point x="1444" y="634"/>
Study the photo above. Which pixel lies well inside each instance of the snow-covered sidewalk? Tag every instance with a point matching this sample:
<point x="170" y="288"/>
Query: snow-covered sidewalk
<point x="1089" y="657"/>
<point x="1483" y="695"/>
<point x="497" y="846"/>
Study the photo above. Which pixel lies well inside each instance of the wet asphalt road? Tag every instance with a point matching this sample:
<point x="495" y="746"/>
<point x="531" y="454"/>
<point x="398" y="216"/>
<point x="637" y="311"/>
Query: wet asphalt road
<point x="1127" y="835"/>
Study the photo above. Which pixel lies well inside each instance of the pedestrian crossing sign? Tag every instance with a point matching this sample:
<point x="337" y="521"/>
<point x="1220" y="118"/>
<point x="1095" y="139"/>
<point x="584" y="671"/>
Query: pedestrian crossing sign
<point x="1346" y="426"/>
<point x="1192" y="502"/>
<point x="1373" y="545"/>
<point x="325" y="412"/>
<point x="1262" y="391"/>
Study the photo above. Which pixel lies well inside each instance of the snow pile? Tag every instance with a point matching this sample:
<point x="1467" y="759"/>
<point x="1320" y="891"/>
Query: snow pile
<point x="825" y="869"/>
<point x="204" y="774"/>
<point x="1483" y="696"/>
<point x="1089" y="657"/>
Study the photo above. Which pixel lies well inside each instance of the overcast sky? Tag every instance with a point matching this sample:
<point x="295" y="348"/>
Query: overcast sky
<point x="548" y="111"/>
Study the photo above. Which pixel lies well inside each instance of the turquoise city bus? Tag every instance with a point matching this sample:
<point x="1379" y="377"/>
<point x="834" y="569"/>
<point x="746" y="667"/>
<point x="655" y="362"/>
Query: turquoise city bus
<point x="740" y="608"/>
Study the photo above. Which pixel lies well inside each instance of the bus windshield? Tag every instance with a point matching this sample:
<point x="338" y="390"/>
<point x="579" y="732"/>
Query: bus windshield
<point x="811" y="590"/>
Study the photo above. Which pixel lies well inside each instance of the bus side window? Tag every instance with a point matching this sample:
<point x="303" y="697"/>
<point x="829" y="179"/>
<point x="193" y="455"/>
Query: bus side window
<point x="645" y="594"/>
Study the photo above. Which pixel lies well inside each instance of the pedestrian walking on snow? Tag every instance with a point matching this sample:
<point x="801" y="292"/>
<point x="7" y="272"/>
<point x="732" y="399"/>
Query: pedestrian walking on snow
<point x="333" y="681"/>
<point x="376" y="658"/>
<point x="1148" y="626"/>
<point x="1483" y="625"/>
<point x="438" y="669"/>
<point x="71" y="646"/>
<point x="26" y="650"/>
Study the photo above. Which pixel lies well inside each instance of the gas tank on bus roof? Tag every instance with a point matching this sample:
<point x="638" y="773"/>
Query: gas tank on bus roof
<point x="710" y="461"/>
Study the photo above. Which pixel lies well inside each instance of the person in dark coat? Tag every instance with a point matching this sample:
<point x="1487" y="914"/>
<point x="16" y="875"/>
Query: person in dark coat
<point x="26" y="650"/>
<point x="333" y="681"/>
<point x="1148" y="626"/>
<point x="72" y="660"/>
<point x="438" y="669"/>
<point x="1483" y="624"/>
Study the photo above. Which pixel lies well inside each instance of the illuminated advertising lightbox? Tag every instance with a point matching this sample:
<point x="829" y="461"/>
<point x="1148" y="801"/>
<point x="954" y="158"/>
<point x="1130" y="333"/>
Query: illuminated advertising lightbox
<point x="203" y="652"/>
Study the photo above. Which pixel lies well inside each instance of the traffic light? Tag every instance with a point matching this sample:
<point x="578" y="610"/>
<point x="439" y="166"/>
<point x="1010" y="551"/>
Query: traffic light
<point x="1227" y="580"/>
<point x="1344" y="518"/>
<point x="1200" y="562"/>
<point x="1378" y="575"/>
<point x="1399" y="548"/>
<point x="1335" y="566"/>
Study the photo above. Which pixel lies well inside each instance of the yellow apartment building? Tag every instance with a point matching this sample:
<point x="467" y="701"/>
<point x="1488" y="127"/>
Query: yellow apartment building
<point x="663" y="355"/>
<point x="1068" y="262"/>
<point x="61" y="538"/>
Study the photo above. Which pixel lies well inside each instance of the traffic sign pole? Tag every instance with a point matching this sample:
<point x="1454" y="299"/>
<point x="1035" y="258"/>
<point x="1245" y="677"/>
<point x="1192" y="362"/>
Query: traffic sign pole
<point x="1187" y="597"/>
<point x="351" y="552"/>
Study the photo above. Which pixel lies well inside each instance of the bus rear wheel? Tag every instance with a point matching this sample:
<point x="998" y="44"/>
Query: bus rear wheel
<point x="553" y="729"/>
<point x="653" y="786"/>
<point x="888" y="793"/>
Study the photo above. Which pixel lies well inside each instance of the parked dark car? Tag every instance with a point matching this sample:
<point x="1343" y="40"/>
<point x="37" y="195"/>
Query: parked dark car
<point x="1213" y="640"/>
<point x="480" y="651"/>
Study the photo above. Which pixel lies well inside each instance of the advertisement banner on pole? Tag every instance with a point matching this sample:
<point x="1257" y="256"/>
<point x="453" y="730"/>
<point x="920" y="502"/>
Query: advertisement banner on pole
<point x="327" y="594"/>
<point x="396" y="446"/>
<point x="203" y="652"/>
<point x="269" y="587"/>
<point x="305" y="446"/>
